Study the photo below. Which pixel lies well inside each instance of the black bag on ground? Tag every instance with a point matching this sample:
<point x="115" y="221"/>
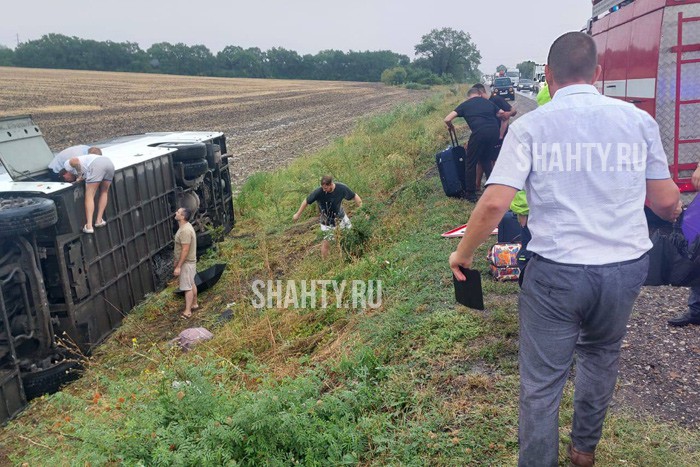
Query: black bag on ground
<point x="672" y="261"/>
<point x="451" y="164"/>
<point x="509" y="229"/>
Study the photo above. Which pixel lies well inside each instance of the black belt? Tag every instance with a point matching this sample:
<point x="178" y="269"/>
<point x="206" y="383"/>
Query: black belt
<point x="621" y="263"/>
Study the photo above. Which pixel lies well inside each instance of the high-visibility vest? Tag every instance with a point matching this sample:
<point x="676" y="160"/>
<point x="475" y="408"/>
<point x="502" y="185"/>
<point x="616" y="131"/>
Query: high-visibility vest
<point x="543" y="96"/>
<point x="519" y="204"/>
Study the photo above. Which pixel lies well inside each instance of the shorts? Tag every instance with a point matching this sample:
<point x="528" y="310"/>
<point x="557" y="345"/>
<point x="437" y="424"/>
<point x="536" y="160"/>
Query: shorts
<point x="101" y="169"/>
<point x="187" y="273"/>
<point x="328" y="231"/>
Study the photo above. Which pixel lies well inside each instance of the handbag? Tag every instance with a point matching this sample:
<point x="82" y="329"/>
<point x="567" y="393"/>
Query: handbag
<point x="672" y="260"/>
<point x="503" y="260"/>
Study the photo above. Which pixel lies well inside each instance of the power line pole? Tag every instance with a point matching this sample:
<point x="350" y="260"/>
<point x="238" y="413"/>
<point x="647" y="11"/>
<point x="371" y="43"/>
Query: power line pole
<point x="17" y="38"/>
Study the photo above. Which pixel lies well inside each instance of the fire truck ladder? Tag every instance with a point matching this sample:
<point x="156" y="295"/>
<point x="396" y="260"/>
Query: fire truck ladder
<point x="680" y="48"/>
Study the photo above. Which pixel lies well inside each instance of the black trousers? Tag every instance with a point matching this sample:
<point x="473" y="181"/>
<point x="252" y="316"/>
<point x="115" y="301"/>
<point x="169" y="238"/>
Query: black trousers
<point x="481" y="148"/>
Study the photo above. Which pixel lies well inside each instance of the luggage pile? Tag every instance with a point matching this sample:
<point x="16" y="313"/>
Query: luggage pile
<point x="503" y="256"/>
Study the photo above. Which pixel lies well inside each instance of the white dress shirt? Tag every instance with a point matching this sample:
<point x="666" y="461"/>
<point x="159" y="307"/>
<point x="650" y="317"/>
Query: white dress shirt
<point x="584" y="160"/>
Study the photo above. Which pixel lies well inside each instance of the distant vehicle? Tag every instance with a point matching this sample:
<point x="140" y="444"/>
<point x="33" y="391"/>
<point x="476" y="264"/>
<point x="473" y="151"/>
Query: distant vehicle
<point x="526" y="85"/>
<point x="659" y="76"/>
<point x="514" y="76"/>
<point x="56" y="280"/>
<point x="539" y="73"/>
<point x="503" y="87"/>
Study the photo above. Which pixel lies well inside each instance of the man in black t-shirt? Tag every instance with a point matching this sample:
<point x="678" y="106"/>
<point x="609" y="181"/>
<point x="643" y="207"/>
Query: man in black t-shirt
<point x="482" y="117"/>
<point x="503" y="121"/>
<point x="501" y="103"/>
<point x="330" y="196"/>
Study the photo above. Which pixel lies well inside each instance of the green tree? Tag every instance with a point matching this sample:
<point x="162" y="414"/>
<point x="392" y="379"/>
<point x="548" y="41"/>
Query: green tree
<point x="527" y="69"/>
<point x="422" y="75"/>
<point x="450" y="52"/>
<point x="283" y="63"/>
<point x="246" y="63"/>
<point x="330" y="65"/>
<point x="394" y="76"/>
<point x="181" y="59"/>
<point x="6" y="55"/>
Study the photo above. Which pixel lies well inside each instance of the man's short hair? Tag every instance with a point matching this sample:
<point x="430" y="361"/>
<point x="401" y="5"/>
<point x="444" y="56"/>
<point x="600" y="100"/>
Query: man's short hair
<point x="473" y="91"/>
<point x="326" y="180"/>
<point x="480" y="87"/>
<point x="60" y="175"/>
<point x="186" y="213"/>
<point x="573" y="57"/>
<point x="95" y="150"/>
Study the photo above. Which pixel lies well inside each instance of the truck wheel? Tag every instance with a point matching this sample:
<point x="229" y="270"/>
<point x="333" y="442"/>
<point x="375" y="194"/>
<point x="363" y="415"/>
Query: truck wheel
<point x="187" y="151"/>
<point x="19" y="216"/>
<point x="52" y="379"/>
<point x="193" y="169"/>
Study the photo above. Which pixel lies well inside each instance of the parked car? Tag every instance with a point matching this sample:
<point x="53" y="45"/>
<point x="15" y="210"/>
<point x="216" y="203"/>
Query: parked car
<point x="526" y="85"/>
<point x="503" y="87"/>
<point x="56" y="280"/>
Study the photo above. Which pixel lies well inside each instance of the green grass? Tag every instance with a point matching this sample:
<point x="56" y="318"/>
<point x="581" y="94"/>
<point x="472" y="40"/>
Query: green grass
<point x="419" y="381"/>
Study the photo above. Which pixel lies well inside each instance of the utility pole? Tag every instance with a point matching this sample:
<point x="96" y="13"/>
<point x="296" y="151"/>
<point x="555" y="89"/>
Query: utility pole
<point x="17" y="38"/>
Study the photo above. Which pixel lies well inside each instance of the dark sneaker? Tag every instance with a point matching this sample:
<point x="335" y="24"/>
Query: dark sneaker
<point x="684" y="320"/>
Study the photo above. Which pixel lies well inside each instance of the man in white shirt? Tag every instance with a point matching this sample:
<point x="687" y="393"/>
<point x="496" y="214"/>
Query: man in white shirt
<point x="60" y="159"/>
<point x="587" y="163"/>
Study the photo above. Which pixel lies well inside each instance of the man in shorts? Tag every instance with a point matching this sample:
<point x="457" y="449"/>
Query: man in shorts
<point x="186" y="259"/>
<point x="97" y="171"/>
<point x="330" y="196"/>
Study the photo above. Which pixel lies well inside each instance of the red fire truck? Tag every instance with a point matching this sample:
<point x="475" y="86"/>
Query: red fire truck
<point x="650" y="54"/>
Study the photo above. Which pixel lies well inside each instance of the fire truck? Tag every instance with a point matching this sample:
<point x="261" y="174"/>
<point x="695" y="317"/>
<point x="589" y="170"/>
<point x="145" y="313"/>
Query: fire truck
<point x="650" y="54"/>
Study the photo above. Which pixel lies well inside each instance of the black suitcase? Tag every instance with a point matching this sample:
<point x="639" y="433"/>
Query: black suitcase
<point x="451" y="164"/>
<point x="509" y="230"/>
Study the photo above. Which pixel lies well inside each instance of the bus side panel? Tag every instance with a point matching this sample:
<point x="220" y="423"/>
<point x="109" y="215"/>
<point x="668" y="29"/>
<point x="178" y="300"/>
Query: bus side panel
<point x="117" y="259"/>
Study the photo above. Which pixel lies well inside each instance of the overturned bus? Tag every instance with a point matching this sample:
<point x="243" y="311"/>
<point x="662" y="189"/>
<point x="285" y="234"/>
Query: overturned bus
<point x="56" y="280"/>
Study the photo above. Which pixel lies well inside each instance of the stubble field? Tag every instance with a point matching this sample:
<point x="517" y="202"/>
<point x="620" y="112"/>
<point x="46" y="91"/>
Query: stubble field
<point x="267" y="122"/>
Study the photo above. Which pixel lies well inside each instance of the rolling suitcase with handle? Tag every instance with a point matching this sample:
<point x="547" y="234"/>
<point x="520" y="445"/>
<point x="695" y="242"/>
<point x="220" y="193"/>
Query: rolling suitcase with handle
<point x="451" y="164"/>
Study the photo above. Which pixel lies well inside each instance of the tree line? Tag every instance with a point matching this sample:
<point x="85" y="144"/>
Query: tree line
<point x="444" y="55"/>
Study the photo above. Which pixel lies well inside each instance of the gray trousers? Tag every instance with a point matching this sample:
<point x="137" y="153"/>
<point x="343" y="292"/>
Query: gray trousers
<point x="566" y="309"/>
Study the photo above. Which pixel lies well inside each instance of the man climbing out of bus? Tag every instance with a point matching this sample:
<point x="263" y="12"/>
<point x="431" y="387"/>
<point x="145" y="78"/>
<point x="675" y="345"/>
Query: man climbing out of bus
<point x="98" y="172"/>
<point x="587" y="267"/>
<point x="57" y="164"/>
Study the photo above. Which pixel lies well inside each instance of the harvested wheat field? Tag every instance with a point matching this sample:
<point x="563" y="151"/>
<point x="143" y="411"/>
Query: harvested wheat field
<point x="267" y="122"/>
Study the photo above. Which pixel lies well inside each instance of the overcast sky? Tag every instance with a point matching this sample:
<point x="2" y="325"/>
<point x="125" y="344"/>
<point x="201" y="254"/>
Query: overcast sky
<point x="505" y="31"/>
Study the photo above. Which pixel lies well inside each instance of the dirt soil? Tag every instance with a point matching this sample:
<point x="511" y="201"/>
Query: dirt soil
<point x="267" y="122"/>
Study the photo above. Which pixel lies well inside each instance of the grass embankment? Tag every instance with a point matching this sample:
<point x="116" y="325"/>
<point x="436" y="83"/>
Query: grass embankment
<point x="417" y="381"/>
